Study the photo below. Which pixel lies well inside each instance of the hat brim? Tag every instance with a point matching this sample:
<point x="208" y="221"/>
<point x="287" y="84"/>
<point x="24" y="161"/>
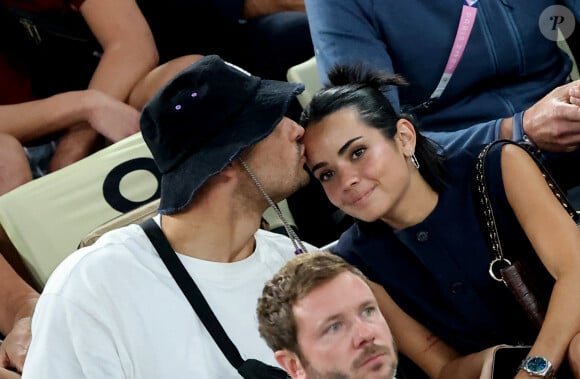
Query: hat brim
<point x="259" y="118"/>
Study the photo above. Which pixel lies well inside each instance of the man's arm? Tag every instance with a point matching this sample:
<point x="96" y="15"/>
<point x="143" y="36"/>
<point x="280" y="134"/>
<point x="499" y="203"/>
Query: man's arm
<point x="258" y="8"/>
<point x="553" y="124"/>
<point x="17" y="302"/>
<point x="71" y="340"/>
<point x="235" y="10"/>
<point x="129" y="53"/>
<point x="36" y="119"/>
<point x="341" y="33"/>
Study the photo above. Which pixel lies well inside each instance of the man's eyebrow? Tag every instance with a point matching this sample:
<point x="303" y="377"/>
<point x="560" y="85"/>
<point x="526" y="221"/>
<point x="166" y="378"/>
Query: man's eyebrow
<point x="339" y="316"/>
<point x="367" y="303"/>
<point x="341" y="151"/>
<point x="331" y="318"/>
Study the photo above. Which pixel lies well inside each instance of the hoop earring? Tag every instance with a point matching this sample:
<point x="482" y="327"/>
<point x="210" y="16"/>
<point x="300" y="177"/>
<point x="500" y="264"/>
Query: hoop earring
<point x="414" y="160"/>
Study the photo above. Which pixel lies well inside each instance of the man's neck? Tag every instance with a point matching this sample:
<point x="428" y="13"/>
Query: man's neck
<point x="212" y="233"/>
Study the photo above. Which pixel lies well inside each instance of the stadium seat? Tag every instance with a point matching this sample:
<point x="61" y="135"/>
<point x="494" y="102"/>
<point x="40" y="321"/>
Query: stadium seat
<point x="44" y="220"/>
<point x="307" y="73"/>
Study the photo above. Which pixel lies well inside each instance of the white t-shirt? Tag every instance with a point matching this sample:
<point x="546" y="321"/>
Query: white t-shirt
<point x="112" y="310"/>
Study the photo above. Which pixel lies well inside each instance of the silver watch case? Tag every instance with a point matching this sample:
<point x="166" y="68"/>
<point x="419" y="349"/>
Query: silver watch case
<point x="537" y="366"/>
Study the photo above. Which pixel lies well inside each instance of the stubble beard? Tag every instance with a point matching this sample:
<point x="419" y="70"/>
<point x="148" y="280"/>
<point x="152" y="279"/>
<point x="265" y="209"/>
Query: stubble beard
<point x="313" y="373"/>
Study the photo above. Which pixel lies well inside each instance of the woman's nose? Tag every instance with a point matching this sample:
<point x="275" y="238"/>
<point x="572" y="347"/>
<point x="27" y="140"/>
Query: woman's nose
<point x="348" y="177"/>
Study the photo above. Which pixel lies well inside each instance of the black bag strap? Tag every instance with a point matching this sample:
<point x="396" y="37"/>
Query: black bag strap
<point x="191" y="292"/>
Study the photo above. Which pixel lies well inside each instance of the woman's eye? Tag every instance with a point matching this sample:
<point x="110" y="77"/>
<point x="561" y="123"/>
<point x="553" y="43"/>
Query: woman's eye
<point x="325" y="176"/>
<point x="358" y="153"/>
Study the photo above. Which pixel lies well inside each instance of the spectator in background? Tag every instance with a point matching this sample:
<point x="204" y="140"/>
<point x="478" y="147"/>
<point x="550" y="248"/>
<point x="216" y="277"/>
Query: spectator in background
<point x="321" y="319"/>
<point x="508" y="66"/>
<point x="265" y="37"/>
<point x="69" y="69"/>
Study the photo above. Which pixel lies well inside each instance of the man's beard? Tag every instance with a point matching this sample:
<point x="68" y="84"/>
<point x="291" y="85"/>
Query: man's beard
<point x="302" y="179"/>
<point x="370" y="351"/>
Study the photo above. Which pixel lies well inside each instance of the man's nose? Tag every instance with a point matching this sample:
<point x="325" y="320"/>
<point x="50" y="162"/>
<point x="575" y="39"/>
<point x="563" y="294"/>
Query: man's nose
<point x="363" y="333"/>
<point x="298" y="131"/>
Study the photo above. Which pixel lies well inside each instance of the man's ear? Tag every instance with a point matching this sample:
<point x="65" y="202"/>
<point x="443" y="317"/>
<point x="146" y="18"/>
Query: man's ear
<point x="228" y="175"/>
<point x="291" y="363"/>
<point x="230" y="169"/>
<point x="406" y="136"/>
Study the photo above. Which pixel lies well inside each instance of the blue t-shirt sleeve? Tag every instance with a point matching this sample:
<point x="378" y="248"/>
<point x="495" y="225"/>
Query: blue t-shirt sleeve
<point x="343" y="33"/>
<point x="476" y="135"/>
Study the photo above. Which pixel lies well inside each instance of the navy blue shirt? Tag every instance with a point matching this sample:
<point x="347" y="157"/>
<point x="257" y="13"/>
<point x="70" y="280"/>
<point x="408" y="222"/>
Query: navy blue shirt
<point x="437" y="270"/>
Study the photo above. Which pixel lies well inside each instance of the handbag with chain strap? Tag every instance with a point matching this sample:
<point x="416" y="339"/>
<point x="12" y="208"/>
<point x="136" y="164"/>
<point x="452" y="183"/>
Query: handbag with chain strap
<point x="528" y="285"/>
<point x="527" y="279"/>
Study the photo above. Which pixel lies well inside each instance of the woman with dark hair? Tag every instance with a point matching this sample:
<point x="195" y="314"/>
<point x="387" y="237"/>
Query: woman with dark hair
<point x="417" y="234"/>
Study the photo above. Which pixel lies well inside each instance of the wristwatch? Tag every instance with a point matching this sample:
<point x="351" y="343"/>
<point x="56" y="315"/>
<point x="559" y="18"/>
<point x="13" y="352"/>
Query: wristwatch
<point x="537" y="366"/>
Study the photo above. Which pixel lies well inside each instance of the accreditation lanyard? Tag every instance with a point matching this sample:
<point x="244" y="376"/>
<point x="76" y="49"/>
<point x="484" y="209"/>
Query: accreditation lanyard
<point x="466" y="22"/>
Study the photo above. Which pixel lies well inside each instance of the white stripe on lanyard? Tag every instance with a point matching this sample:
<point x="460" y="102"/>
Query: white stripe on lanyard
<point x="466" y="22"/>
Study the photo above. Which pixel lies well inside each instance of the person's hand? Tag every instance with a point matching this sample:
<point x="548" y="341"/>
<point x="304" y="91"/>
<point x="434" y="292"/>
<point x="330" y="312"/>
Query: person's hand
<point x="15" y="346"/>
<point x="110" y="117"/>
<point x="553" y="123"/>
<point x="7" y="374"/>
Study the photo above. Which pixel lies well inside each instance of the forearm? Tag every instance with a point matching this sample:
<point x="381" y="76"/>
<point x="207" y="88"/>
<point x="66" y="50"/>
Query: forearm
<point x="17" y="298"/>
<point x="122" y="66"/>
<point x="257" y="8"/>
<point x="562" y="321"/>
<point x="129" y="50"/>
<point x="465" y="367"/>
<point x="35" y="119"/>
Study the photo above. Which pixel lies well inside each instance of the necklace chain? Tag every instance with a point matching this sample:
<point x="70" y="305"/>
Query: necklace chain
<point x="298" y="245"/>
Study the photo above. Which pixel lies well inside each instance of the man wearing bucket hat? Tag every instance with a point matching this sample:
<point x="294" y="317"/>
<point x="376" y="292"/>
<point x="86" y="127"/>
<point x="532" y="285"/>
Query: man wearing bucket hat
<point x="226" y="153"/>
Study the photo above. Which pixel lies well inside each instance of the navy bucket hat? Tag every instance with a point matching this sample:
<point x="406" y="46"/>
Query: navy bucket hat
<point x="203" y="119"/>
